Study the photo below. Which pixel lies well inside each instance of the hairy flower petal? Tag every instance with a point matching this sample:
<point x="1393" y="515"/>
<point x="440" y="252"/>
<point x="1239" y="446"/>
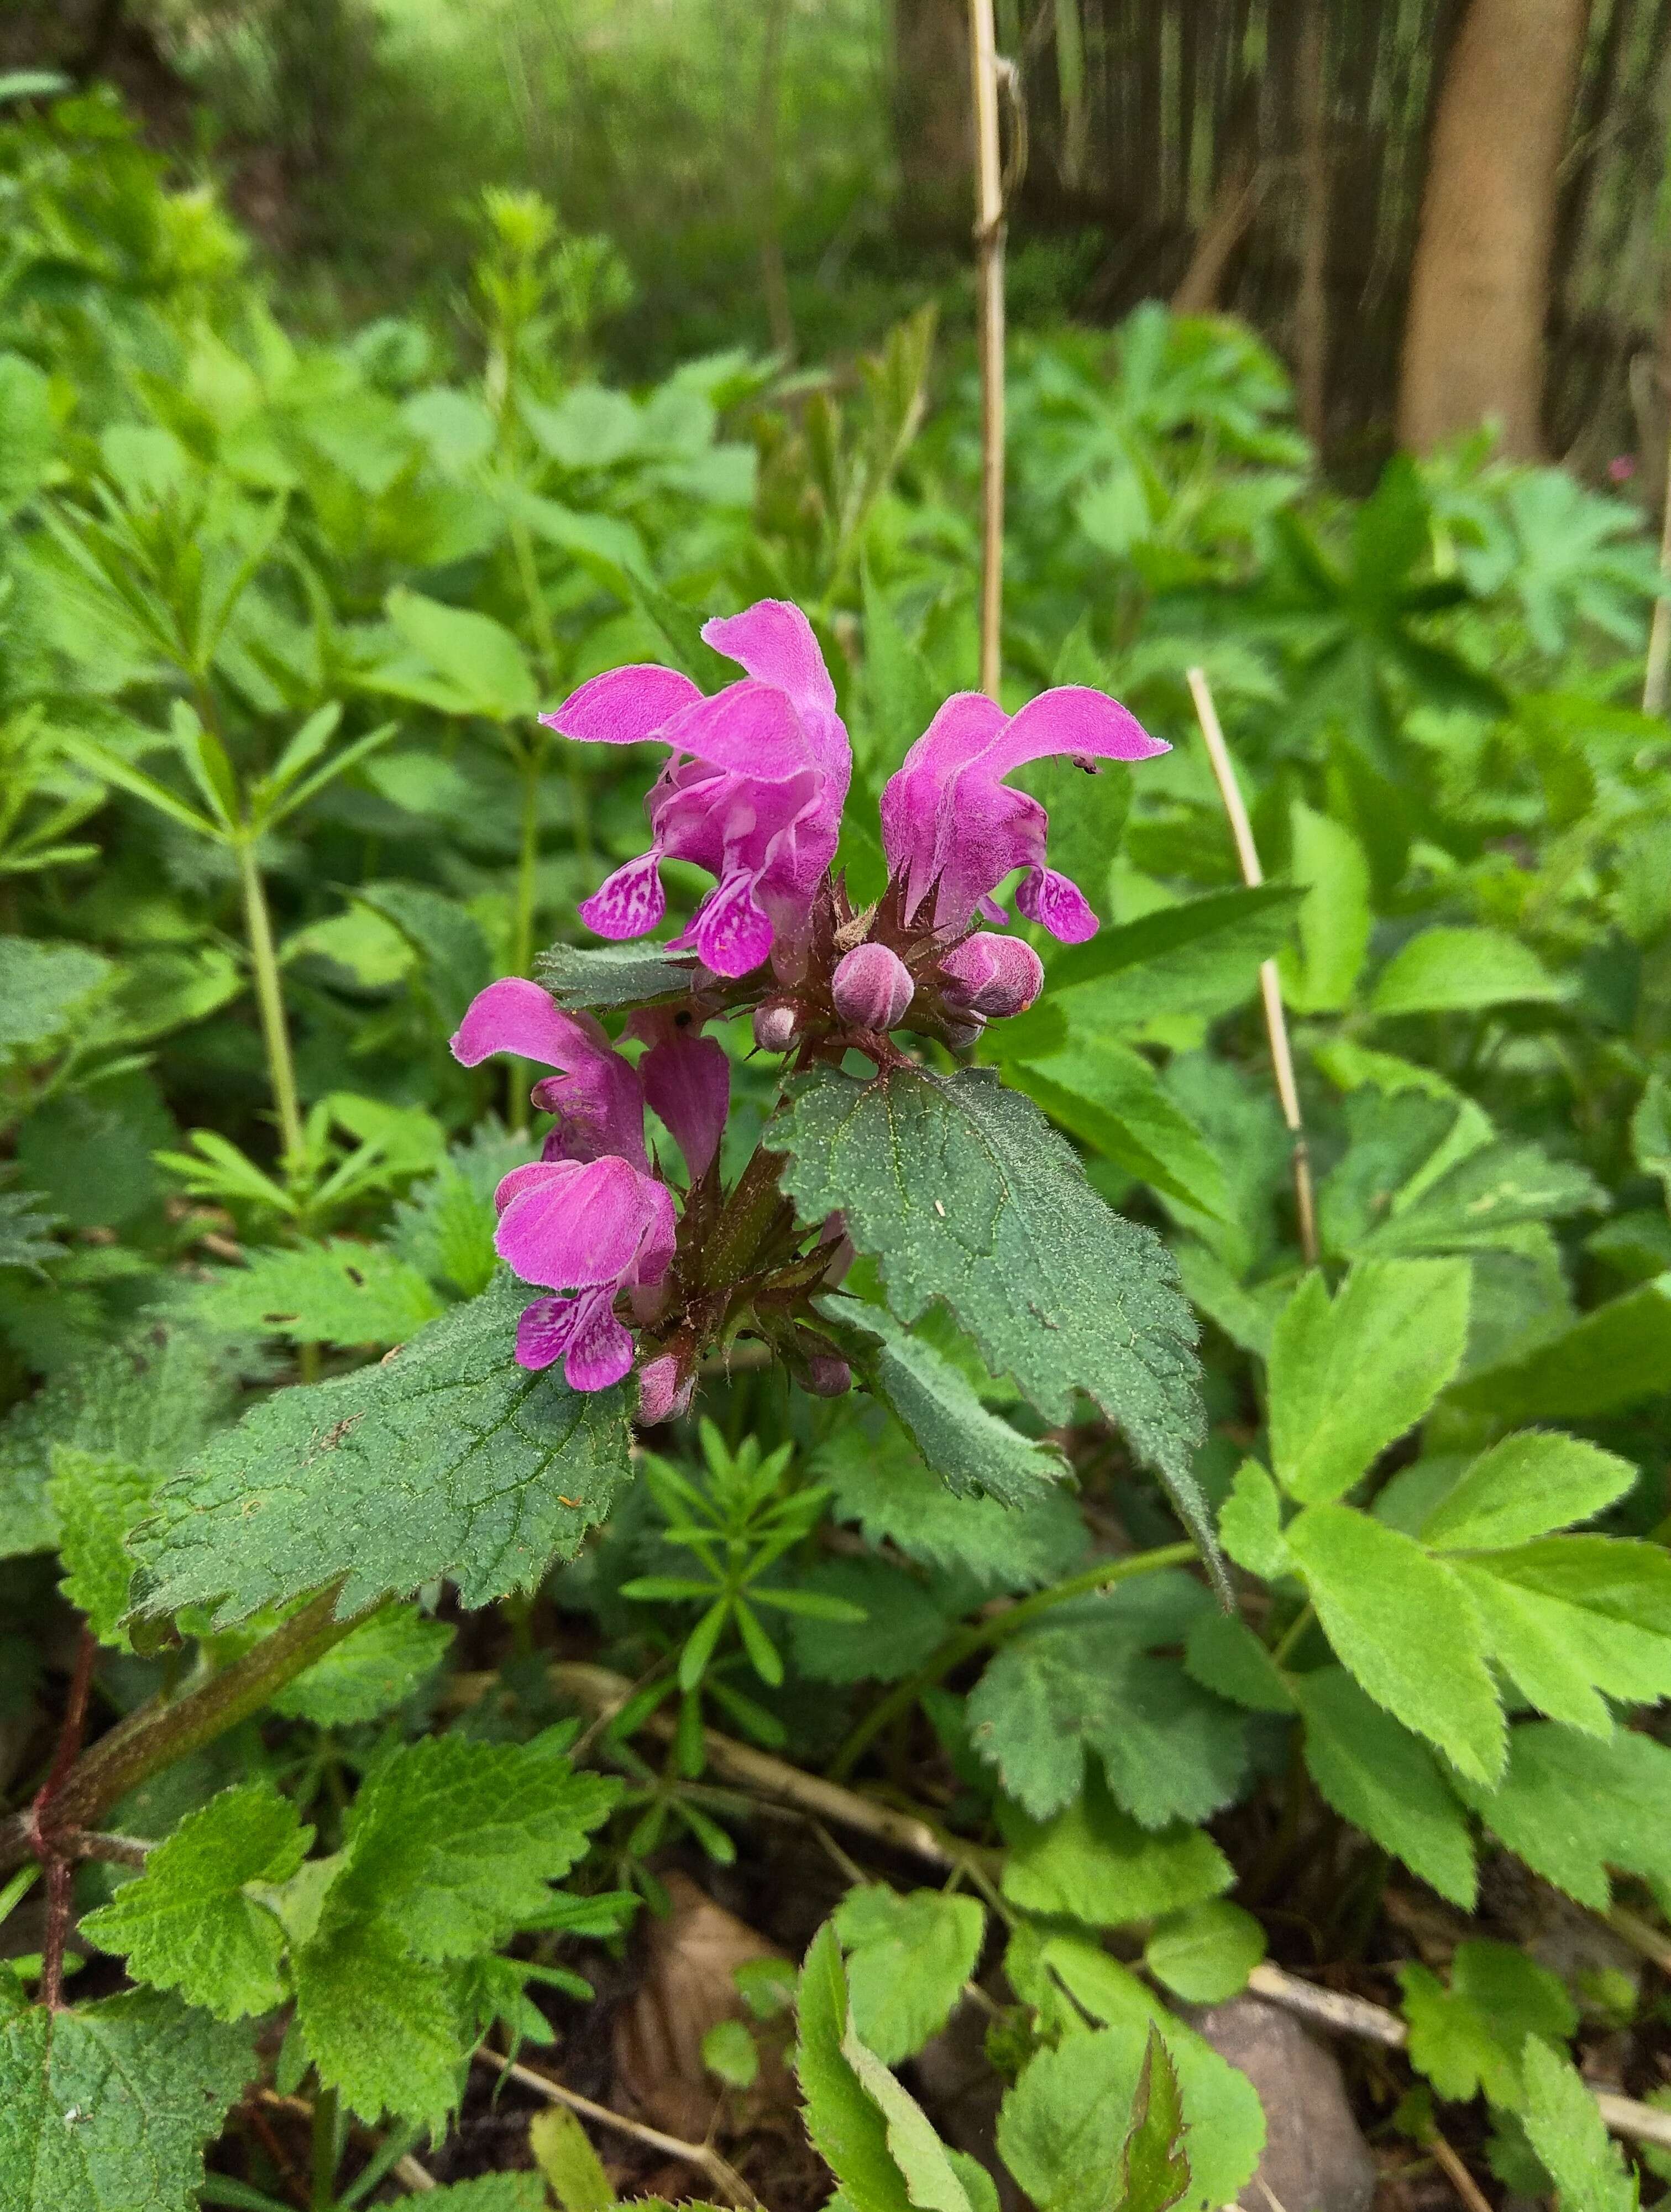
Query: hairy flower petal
<point x="597" y="1095"/>
<point x="687" y="1081"/>
<point x="572" y="1225"/>
<point x="624" y="706"/>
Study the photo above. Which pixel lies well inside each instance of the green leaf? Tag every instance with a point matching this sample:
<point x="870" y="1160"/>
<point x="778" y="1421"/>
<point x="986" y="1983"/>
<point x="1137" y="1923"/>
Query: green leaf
<point x="900" y="1624"/>
<point x="847" y="2131"/>
<point x="1095" y="1863"/>
<point x="340" y="1292"/>
<point x="520" y="2192"/>
<point x="1221" y="2107"/>
<point x="1470" y="2036"/>
<point x="681" y="630"/>
<point x="562" y="2152"/>
<point x="1385" y="1781"/>
<point x="731" y="2053"/>
<point x="1111" y="1098"/>
<point x="1404" y="1626"/>
<point x="1206" y="1954"/>
<point x="29" y="432"/>
<point x="1570" y="1616"/>
<point x="1572" y="1807"/>
<point x="1083" y="1681"/>
<point x="455" y="959"/>
<point x="1650" y="1132"/>
<point x="97" y="1501"/>
<point x="448" y="1848"/>
<point x="1564" y="2126"/>
<point x="1319" y="972"/>
<point x="186" y="1923"/>
<point x="1250" y="1523"/>
<point x="1222" y="1654"/>
<point x="1154" y="2171"/>
<point x="1524" y="1487"/>
<point x="1199" y="956"/>
<point x="1446" y="970"/>
<point x="45" y="989"/>
<point x="1616" y="1356"/>
<point x="478" y="661"/>
<point x="24" y="1241"/>
<point x="603" y="976"/>
<point x="147" y="1402"/>
<point x="963" y="1194"/>
<point x="971" y="1449"/>
<point x="496" y="1472"/>
<point x="1063" y="2126"/>
<point x="107" y="2108"/>
<point x="931" y="2181"/>
<point x="1497" y="1187"/>
<point x="878" y="1480"/>
<point x="375" y="1667"/>
<point x="908" y="1959"/>
<point x="1349" y="1377"/>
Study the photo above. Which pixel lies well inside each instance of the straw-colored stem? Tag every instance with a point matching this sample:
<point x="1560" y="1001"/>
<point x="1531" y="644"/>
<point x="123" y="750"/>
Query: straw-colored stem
<point x="1270" y="982"/>
<point x="1655" y="681"/>
<point x="989" y="254"/>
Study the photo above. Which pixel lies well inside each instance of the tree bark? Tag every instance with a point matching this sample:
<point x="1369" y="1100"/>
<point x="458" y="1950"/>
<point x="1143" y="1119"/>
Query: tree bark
<point x="1479" y="286"/>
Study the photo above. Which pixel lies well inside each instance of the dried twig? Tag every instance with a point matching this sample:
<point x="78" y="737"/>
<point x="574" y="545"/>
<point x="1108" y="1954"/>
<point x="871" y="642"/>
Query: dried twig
<point x="720" y="2171"/>
<point x="1458" y="2175"/>
<point x="1374" y="2023"/>
<point x="1270" y="982"/>
<point x="989" y="257"/>
<point x="1657" y="677"/>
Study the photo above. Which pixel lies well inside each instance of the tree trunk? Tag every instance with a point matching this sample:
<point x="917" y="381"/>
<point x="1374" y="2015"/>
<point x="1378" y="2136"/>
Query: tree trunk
<point x="1479" y="288"/>
<point x="931" y="120"/>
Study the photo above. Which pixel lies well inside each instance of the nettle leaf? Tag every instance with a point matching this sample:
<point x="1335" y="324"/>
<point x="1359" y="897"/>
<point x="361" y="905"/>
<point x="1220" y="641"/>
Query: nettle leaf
<point x="449" y="1460"/>
<point x="146" y="1403"/>
<point x="444" y="1228"/>
<point x="448" y="1849"/>
<point x="878" y="1480"/>
<point x="1406" y="1626"/>
<point x="25" y="1221"/>
<point x="964" y="1193"/>
<point x="340" y="1292"/>
<point x="1470" y="2036"/>
<point x="375" y="1667"/>
<point x="1571" y="1616"/>
<point x="970" y="1446"/>
<point x="1525" y="1487"/>
<point x="44" y="988"/>
<point x="1096" y="1864"/>
<point x="1206" y="1955"/>
<point x="105" y="2108"/>
<point x="603" y="976"/>
<point x="455" y="959"/>
<point x="1572" y="1807"/>
<point x="1170" y="1749"/>
<point x="187" y="1923"/>
<point x="1616" y="1355"/>
<point x="1221" y="2107"/>
<point x="1565" y="2127"/>
<point x="1385" y="1781"/>
<point x="1348" y="1376"/>
<point x="907" y="1961"/>
<point x="97" y="1500"/>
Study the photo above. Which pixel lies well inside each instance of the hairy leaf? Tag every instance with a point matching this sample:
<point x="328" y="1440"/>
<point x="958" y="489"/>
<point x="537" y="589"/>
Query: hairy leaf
<point x="964" y="1194"/>
<point x="45" y="987"/>
<point x="97" y="1500"/>
<point x="1095" y="1863"/>
<point x="848" y="2132"/>
<point x="107" y="2108"/>
<point x="451" y="1460"/>
<point x="187" y="1923"/>
<point x="1565" y="2129"/>
<point x="1570" y="1617"/>
<point x="1522" y="1488"/>
<point x="1385" y="1781"/>
<point x="1470" y="2036"/>
<point x="602" y="977"/>
<point x="340" y="1292"/>
<point x="1571" y="1807"/>
<point x="908" y="1958"/>
<point x="376" y="1666"/>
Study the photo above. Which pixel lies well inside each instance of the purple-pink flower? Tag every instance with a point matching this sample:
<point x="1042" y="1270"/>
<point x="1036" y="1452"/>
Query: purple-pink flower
<point x="589" y="1218"/>
<point x="592" y="1229"/>
<point x="954" y="830"/>
<point x="752" y="791"/>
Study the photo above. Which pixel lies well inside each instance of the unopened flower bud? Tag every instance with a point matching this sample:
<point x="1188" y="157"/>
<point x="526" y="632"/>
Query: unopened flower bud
<point x="664" y="1392"/>
<point x="776" y="1025"/>
<point x="828" y="1376"/>
<point x="872" y="988"/>
<point x="994" y="975"/>
<point x="959" y="1034"/>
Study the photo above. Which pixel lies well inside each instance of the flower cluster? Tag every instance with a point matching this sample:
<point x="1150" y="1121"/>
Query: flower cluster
<point x="752" y="792"/>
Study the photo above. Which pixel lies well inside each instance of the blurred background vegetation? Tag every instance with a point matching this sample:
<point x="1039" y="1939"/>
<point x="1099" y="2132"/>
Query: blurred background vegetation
<point x="793" y="173"/>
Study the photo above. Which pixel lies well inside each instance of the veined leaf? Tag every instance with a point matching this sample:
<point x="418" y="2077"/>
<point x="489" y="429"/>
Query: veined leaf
<point x="1470" y="2036"/>
<point x="1571" y="1616"/>
<point x="1616" y="1356"/>
<point x="1111" y="1099"/>
<point x="1445" y="970"/>
<point x="44" y="988"/>
<point x="847" y="2130"/>
<point x="605" y="975"/>
<point x="1572" y="1807"/>
<point x="963" y="1194"/>
<point x="340" y="1292"/>
<point x="1565" y="2127"/>
<point x="908" y="1958"/>
<point x="1094" y="1863"/>
<point x="1386" y="1781"/>
<point x="451" y="1460"/>
<point x="1524" y="1487"/>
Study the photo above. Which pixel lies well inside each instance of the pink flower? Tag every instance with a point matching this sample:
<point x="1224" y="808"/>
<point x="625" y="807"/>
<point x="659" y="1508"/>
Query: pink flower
<point x="592" y="1229"/>
<point x="872" y="987"/>
<point x="994" y="975"/>
<point x="954" y="830"/>
<point x="752" y="791"/>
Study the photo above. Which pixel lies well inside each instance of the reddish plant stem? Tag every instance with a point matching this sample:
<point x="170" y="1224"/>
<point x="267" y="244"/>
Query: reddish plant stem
<point x="58" y="1861"/>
